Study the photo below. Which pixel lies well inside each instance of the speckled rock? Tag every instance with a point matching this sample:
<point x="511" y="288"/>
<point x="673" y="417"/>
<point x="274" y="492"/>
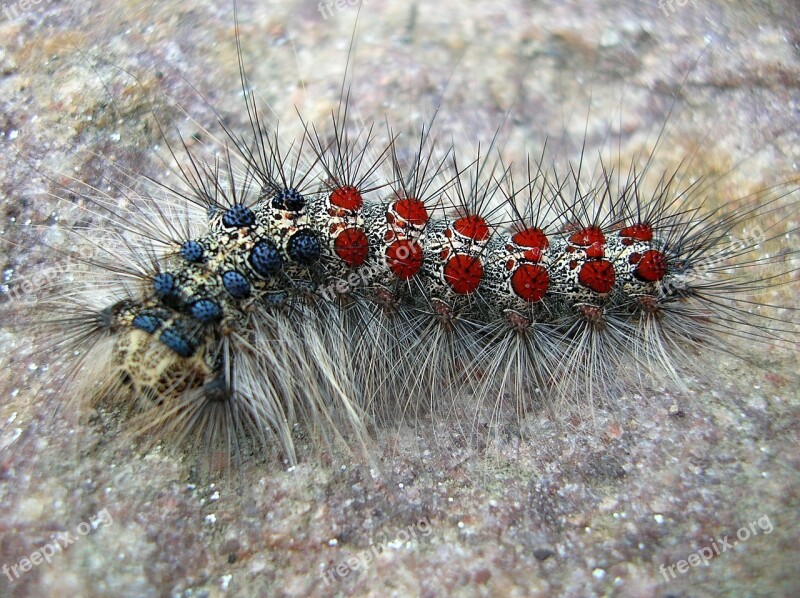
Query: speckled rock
<point x="578" y="508"/>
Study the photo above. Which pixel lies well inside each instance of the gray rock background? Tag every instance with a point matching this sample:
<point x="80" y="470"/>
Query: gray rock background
<point x="589" y="508"/>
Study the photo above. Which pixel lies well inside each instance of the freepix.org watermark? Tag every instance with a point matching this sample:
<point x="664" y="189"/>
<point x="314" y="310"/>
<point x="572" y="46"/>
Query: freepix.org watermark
<point x="717" y="547"/>
<point x="45" y="279"/>
<point x="670" y="6"/>
<point x="13" y="10"/>
<point x="343" y="569"/>
<point x="326" y="7"/>
<point x="60" y="542"/>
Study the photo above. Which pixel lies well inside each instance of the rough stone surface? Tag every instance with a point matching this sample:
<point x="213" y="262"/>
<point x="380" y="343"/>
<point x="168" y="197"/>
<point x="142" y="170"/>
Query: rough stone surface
<point x="582" y="508"/>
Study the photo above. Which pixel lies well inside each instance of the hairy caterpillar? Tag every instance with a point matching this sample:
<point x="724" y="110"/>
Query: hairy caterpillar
<point x="430" y="391"/>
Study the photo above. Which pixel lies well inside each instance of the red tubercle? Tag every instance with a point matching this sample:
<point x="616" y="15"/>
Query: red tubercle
<point x="533" y="255"/>
<point x="652" y="266"/>
<point x="587" y="236"/>
<point x="595" y="251"/>
<point x="347" y="197"/>
<point x="404" y="258"/>
<point x="463" y="273"/>
<point x="407" y="210"/>
<point x="637" y="232"/>
<point x="531" y="237"/>
<point x="591" y="239"/>
<point x="473" y="227"/>
<point x="597" y="276"/>
<point x="352" y="246"/>
<point x="534" y="241"/>
<point x="530" y="282"/>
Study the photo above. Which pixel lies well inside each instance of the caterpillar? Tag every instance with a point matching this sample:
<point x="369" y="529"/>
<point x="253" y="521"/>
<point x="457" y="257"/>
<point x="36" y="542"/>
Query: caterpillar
<point x="298" y="291"/>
